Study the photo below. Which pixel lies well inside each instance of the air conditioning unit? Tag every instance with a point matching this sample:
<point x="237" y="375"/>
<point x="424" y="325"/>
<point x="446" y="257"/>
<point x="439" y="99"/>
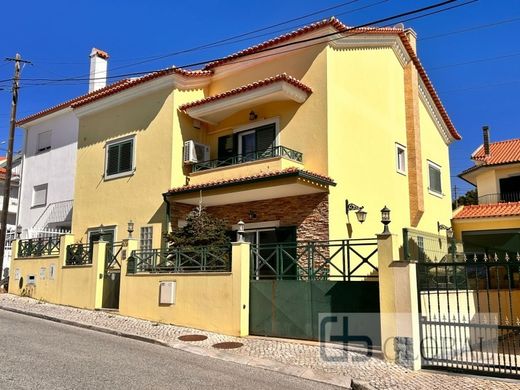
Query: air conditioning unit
<point x="195" y="152"/>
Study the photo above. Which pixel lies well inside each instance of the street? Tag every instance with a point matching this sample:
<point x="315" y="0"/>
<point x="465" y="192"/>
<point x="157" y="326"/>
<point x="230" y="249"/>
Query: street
<point x="46" y="355"/>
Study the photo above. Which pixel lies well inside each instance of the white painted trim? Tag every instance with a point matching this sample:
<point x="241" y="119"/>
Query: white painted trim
<point x="290" y="91"/>
<point x="132" y="137"/>
<point x="398" y="147"/>
<point x="91" y="230"/>
<point x="358" y="41"/>
<point x="435" y="115"/>
<point x="147" y="87"/>
<point x="258" y="225"/>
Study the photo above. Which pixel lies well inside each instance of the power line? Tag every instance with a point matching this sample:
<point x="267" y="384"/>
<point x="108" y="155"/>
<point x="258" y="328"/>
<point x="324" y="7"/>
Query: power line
<point x="477" y="61"/>
<point x="348" y="29"/>
<point x="480" y="27"/>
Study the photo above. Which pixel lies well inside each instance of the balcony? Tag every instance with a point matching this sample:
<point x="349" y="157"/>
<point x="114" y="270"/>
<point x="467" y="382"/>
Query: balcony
<point x="499" y="198"/>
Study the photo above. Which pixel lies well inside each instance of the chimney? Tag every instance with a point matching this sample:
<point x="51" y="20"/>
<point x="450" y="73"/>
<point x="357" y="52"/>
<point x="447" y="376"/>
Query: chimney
<point x="98" y="69"/>
<point x="485" y="132"/>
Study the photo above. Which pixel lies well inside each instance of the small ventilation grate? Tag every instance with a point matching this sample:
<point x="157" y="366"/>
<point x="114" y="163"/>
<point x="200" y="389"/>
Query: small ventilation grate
<point x="228" y="345"/>
<point x="192" y="337"/>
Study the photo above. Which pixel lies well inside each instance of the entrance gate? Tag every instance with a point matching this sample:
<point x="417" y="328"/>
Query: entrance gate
<point x="469" y="311"/>
<point x="292" y="283"/>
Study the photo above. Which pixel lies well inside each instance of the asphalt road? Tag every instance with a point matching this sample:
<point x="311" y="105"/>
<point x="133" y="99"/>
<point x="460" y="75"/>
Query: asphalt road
<point x="39" y="354"/>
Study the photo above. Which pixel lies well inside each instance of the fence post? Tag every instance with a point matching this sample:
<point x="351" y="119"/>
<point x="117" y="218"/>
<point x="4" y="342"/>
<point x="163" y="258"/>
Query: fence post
<point x="65" y="241"/>
<point x="98" y="272"/>
<point x="240" y="269"/>
<point x="400" y="336"/>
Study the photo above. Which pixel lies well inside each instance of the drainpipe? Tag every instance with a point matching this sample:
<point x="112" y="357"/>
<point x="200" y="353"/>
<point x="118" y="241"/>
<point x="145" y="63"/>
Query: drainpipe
<point x="168" y="214"/>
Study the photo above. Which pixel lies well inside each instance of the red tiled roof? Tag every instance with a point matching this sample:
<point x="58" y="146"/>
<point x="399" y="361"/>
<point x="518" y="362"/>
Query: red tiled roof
<point x="502" y="152"/>
<point x="264" y="175"/>
<point x="489" y="210"/>
<point x="248" y="87"/>
<point x="111" y="89"/>
<point x="340" y="27"/>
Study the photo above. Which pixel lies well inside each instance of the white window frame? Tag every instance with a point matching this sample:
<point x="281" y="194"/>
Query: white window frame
<point x="38" y="151"/>
<point x="107" y="147"/>
<point x="439" y="168"/>
<point x="255" y="124"/>
<point x="44" y="185"/>
<point x="399" y="147"/>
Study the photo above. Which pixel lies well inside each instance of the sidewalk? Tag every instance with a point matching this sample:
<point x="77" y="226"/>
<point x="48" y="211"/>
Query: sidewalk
<point x="295" y="358"/>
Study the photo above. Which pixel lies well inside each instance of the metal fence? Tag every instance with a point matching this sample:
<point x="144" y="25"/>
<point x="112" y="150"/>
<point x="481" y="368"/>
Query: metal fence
<point x="341" y="260"/>
<point x="179" y="260"/>
<point x="78" y="254"/>
<point x="499" y="198"/>
<point x="39" y="247"/>
<point x="470" y="314"/>
<point x="277" y="151"/>
<point x="424" y="246"/>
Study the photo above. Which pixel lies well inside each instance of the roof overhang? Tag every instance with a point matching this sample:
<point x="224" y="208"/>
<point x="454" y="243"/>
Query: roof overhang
<point x="213" y="111"/>
<point x="286" y="184"/>
<point x="470" y="174"/>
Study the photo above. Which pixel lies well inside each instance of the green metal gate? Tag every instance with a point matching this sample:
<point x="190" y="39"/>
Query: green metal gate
<point x="292" y="283"/>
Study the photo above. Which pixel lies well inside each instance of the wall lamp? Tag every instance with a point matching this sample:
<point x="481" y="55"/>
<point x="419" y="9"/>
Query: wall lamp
<point x="241" y="228"/>
<point x="449" y="229"/>
<point x="18" y="231"/>
<point x="252" y="115"/>
<point x="360" y="213"/>
<point x="130" y="228"/>
<point x="252" y="214"/>
<point x="385" y="219"/>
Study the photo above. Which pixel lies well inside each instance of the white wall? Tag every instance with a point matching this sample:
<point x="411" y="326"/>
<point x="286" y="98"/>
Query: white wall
<point x="56" y="166"/>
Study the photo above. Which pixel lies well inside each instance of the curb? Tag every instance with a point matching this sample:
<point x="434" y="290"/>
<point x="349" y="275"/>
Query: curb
<point x="266" y="364"/>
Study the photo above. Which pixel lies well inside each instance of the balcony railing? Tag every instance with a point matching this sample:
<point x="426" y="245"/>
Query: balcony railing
<point x="499" y="198"/>
<point x="276" y="151"/>
<point x="179" y="260"/>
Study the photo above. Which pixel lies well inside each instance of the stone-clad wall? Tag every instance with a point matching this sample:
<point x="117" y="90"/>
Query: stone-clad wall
<point x="310" y="213"/>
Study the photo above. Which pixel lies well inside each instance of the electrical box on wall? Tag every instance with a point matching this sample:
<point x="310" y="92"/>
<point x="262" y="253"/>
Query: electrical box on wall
<point x="31" y="279"/>
<point x="167" y="293"/>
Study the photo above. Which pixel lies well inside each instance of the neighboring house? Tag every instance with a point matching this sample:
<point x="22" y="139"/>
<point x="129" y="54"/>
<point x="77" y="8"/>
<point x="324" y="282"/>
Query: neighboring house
<point x="13" y="204"/>
<point x="494" y="224"/>
<point x="278" y="141"/>
<point x="49" y="162"/>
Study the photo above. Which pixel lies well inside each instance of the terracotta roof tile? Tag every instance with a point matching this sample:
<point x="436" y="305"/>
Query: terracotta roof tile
<point x="112" y="89"/>
<point x="489" y="210"/>
<point x="340" y="27"/>
<point x="99" y="53"/>
<point x="245" y="179"/>
<point x="248" y="87"/>
<point x="502" y="152"/>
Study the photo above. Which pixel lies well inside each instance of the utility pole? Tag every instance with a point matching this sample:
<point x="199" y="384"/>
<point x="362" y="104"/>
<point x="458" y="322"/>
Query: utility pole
<point x="9" y="158"/>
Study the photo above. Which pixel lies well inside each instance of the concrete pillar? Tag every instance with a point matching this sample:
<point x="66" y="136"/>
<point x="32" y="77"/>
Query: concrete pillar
<point x="65" y="241"/>
<point x="98" y="272"/>
<point x="240" y="268"/>
<point x="400" y="334"/>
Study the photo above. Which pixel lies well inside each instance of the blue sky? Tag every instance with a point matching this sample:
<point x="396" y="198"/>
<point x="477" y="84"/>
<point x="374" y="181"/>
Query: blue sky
<point x="471" y="53"/>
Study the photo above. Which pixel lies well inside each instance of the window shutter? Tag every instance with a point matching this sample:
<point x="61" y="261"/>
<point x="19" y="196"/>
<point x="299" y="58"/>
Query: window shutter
<point x="265" y="136"/>
<point x="112" y="159"/>
<point x="44" y="141"/>
<point x="125" y="156"/>
<point x="40" y="195"/>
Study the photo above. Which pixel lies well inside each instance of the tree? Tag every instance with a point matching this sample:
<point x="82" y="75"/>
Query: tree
<point x="201" y="229"/>
<point x="470" y="197"/>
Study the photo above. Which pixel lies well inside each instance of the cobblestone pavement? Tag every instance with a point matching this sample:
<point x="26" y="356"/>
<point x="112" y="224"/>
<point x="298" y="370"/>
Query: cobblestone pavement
<point x="372" y="371"/>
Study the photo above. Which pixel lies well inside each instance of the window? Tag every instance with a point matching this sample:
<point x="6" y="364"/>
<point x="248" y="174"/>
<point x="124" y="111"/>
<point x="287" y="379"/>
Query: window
<point x="44" y="142"/>
<point x="434" y="172"/>
<point x="119" y="159"/>
<point x="39" y="197"/>
<point x="145" y="243"/>
<point x="400" y="156"/>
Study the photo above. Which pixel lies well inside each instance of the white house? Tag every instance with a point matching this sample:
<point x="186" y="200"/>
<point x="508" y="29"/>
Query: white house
<point x="49" y="161"/>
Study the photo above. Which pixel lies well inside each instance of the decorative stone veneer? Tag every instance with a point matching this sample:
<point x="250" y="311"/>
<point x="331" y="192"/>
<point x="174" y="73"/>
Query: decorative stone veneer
<point x="309" y="213"/>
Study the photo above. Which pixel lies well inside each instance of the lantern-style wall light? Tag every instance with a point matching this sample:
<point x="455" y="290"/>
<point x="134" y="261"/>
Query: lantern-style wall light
<point x="252" y="115"/>
<point x="361" y="214"/>
<point x="18" y="231"/>
<point x="449" y="230"/>
<point x="130" y="228"/>
<point x="385" y="219"/>
<point x="241" y="228"/>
